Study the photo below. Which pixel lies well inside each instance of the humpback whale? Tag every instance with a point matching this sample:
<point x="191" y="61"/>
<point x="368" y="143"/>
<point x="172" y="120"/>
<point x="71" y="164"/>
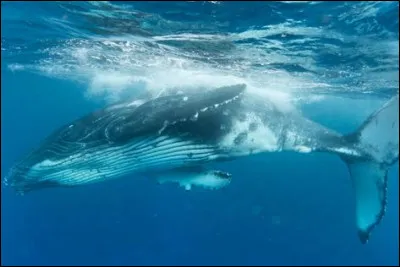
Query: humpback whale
<point x="172" y="138"/>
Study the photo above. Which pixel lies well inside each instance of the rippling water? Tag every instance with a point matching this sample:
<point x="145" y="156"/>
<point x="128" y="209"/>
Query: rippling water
<point x="297" y="48"/>
<point x="298" y="53"/>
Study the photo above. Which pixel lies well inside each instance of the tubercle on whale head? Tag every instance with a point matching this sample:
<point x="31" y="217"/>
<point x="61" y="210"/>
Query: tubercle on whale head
<point x="218" y="98"/>
<point x="235" y="92"/>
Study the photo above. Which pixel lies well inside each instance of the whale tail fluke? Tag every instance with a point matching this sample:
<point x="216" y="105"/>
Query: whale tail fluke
<point x="378" y="138"/>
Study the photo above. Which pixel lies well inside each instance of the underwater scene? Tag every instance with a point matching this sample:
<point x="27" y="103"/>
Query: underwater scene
<point x="199" y="133"/>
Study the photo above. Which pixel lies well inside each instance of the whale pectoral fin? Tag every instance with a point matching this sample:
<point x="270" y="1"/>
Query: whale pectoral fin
<point x="196" y="176"/>
<point x="370" y="185"/>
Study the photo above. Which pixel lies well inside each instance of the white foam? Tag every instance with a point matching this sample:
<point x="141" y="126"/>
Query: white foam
<point x="112" y="66"/>
<point x="302" y="149"/>
<point x="16" y="67"/>
<point x="109" y="82"/>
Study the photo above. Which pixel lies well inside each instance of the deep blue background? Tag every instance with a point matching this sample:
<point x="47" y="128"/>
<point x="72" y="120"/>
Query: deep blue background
<point x="307" y="203"/>
<point x="286" y="209"/>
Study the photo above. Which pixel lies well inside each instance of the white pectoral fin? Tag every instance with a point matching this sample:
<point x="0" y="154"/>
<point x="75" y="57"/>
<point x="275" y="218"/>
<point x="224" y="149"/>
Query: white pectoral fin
<point x="370" y="186"/>
<point x="378" y="139"/>
<point x="189" y="177"/>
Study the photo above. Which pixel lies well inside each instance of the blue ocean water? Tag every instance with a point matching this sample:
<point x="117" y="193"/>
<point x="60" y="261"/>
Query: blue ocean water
<point x="337" y="62"/>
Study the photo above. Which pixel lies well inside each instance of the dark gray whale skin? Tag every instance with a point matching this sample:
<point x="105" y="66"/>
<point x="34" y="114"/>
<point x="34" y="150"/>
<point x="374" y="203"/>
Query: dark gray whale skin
<point x="173" y="138"/>
<point x="118" y="125"/>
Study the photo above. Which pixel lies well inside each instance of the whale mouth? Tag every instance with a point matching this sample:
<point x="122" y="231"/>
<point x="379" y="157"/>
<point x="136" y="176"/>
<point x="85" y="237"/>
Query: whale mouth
<point x="21" y="182"/>
<point x="162" y="133"/>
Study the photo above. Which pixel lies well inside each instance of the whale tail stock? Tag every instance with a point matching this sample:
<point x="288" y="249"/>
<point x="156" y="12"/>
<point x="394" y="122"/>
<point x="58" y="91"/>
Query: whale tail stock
<point x="378" y="138"/>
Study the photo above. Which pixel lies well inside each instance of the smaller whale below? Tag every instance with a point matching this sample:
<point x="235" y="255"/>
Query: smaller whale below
<point x="173" y="138"/>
